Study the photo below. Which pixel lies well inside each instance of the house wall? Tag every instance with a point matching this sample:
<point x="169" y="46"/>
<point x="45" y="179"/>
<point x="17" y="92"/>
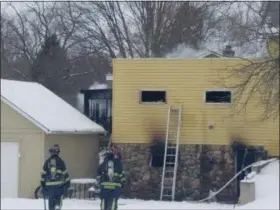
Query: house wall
<point x="193" y="182"/>
<point x="80" y="153"/>
<point x="185" y="81"/>
<point x="16" y="128"/>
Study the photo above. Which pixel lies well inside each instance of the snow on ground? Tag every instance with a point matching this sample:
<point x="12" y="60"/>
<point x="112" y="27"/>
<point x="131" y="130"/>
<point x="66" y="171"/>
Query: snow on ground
<point x="267" y="188"/>
<point x="95" y="204"/>
<point x="267" y="197"/>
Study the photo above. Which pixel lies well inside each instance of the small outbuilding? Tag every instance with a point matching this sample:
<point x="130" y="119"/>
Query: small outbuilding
<point x="33" y="119"/>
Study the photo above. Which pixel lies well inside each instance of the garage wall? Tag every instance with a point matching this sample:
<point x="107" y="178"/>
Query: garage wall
<point x="15" y="128"/>
<point x="10" y="119"/>
<point x="80" y="153"/>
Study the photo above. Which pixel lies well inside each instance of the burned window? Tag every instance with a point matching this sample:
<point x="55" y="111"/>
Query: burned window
<point x="153" y="96"/>
<point x="218" y="97"/>
<point x="157" y="155"/>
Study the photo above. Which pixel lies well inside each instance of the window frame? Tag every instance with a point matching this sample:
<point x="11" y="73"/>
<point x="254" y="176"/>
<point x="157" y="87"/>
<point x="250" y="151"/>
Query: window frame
<point x="168" y="155"/>
<point x="154" y="103"/>
<point x="218" y="90"/>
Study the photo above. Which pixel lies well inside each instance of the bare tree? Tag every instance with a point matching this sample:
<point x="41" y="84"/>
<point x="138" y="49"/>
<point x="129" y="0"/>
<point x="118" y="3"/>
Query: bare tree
<point x="257" y="77"/>
<point x="144" y="29"/>
<point x="24" y="33"/>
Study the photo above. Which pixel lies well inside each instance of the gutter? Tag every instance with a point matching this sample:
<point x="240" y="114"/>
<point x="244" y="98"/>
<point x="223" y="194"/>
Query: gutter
<point x="75" y="132"/>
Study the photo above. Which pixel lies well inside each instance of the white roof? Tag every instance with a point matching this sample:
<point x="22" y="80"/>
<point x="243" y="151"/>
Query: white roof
<point x="45" y="109"/>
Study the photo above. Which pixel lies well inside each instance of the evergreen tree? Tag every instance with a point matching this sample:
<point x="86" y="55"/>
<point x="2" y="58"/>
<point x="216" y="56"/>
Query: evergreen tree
<point x="51" y="65"/>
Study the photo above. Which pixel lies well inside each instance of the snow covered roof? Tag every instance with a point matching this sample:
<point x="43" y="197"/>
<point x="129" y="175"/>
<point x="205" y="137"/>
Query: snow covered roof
<point x="45" y="109"/>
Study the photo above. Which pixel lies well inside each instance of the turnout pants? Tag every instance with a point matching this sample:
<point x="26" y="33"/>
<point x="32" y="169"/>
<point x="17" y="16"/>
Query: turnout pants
<point x="109" y="199"/>
<point x="55" y="196"/>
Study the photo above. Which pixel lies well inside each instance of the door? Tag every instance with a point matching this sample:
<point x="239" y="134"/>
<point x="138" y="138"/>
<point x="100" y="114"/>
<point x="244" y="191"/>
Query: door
<point x="9" y="169"/>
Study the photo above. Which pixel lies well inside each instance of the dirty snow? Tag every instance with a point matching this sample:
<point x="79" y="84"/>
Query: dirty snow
<point x="267" y="197"/>
<point x="46" y="109"/>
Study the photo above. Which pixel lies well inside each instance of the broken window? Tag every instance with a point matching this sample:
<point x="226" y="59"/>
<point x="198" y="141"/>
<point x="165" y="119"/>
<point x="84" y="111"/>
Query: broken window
<point x="153" y="96"/>
<point x="218" y="97"/>
<point x="157" y="155"/>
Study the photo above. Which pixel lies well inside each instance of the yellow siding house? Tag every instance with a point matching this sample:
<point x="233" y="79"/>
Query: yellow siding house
<point x="186" y="82"/>
<point x="143" y="89"/>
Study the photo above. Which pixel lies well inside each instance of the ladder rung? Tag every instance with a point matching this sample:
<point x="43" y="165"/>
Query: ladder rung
<point x="173" y="134"/>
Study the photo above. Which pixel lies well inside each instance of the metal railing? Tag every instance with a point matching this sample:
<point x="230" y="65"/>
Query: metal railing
<point x="79" y="189"/>
<point x="86" y="189"/>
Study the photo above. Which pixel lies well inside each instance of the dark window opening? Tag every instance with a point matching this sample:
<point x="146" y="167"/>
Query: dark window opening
<point x="157" y="156"/>
<point x="245" y="155"/>
<point x="153" y="96"/>
<point x="218" y="97"/>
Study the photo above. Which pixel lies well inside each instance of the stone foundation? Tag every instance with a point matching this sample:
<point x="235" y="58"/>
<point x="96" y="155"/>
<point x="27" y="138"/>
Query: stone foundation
<point x="193" y="180"/>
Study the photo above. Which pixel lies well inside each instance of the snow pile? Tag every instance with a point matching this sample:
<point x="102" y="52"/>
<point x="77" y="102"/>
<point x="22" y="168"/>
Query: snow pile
<point x="249" y="176"/>
<point x="257" y="165"/>
<point x="45" y="109"/>
<point x="267" y="188"/>
<point x="264" y="162"/>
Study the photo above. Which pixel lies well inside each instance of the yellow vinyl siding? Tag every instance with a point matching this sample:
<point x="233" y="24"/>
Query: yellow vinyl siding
<point x="186" y="82"/>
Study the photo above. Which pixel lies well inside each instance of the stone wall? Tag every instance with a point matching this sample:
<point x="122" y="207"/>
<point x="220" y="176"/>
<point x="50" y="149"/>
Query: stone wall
<point x="200" y="169"/>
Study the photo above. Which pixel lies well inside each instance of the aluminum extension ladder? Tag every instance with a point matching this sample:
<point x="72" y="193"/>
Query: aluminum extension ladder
<point x="170" y="164"/>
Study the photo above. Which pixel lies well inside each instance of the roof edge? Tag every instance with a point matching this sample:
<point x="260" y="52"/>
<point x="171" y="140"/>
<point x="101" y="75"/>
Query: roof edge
<point x="24" y="114"/>
<point x="76" y="132"/>
<point x="42" y="127"/>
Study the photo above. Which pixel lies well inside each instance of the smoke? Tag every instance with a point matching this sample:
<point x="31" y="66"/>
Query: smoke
<point x="253" y="49"/>
<point x="80" y="102"/>
<point x="97" y="85"/>
<point x="80" y="97"/>
<point x="245" y="45"/>
<point x="184" y="51"/>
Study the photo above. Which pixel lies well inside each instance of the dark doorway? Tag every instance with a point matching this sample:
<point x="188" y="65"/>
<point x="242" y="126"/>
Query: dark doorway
<point x="244" y="156"/>
<point x="98" y="107"/>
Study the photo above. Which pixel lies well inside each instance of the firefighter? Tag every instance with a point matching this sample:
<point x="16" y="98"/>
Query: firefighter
<point x="55" y="179"/>
<point x="111" y="179"/>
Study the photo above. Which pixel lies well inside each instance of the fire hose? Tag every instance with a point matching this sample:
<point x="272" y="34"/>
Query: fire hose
<point x="232" y="179"/>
